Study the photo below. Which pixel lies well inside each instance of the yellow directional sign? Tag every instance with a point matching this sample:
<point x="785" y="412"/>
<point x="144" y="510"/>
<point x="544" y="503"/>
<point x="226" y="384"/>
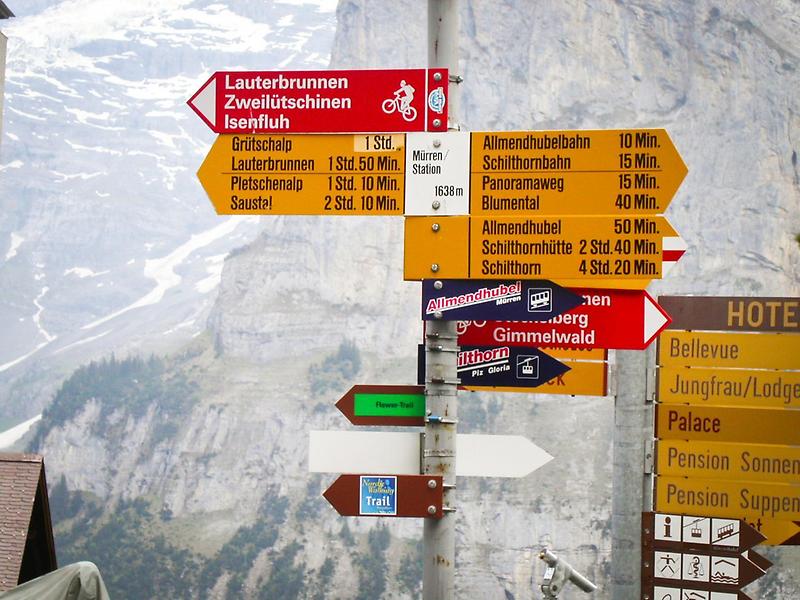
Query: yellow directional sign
<point x="778" y="533"/>
<point x="733" y="499"/>
<point x="741" y="462"/>
<point x="610" y="172"/>
<point x="576" y="354"/>
<point x="583" y="379"/>
<point x="733" y="350"/>
<point x="306" y="174"/>
<point x="729" y="387"/>
<point x="559" y="247"/>
<point x="727" y="424"/>
<point x="528" y="173"/>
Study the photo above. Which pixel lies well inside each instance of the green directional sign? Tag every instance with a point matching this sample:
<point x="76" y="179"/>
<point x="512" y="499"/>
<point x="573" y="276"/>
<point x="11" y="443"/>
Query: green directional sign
<point x="399" y="405"/>
<point x="389" y="405"/>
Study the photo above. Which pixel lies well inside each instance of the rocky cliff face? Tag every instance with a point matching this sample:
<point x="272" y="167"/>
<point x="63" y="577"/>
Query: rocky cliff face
<point x="720" y="77"/>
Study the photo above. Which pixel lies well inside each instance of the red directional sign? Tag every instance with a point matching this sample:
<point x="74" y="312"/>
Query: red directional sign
<point x="387" y="496"/>
<point x="376" y="101"/>
<point x="611" y="319"/>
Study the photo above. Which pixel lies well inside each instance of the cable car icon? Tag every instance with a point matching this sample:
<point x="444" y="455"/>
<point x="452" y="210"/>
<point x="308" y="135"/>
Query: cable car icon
<point x="527" y="367"/>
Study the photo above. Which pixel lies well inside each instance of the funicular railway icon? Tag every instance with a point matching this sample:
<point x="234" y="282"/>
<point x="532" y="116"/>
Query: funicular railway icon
<point x="540" y="300"/>
<point x="726" y="531"/>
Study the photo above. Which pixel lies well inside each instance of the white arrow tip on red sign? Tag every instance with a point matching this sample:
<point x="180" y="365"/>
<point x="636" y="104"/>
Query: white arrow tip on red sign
<point x="204" y="102"/>
<point x="655" y="319"/>
<point x="673" y="249"/>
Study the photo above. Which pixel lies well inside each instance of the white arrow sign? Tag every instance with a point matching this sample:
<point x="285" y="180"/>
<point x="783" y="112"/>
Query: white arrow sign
<point x="654" y="319"/>
<point x="398" y="453"/>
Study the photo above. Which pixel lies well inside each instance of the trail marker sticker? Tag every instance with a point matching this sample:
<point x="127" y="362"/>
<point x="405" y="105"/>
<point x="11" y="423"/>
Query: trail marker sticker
<point x="378" y="495"/>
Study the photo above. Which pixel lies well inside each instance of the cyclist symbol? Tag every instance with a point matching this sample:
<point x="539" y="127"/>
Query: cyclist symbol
<point x="401" y="102"/>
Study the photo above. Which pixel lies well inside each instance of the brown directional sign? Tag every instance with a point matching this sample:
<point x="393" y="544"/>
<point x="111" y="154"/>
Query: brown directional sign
<point x="760" y="561"/>
<point x="681" y="533"/>
<point x="699" y="571"/>
<point x="732" y="313"/>
<point x="678" y="592"/>
<point x="687" y="556"/>
<point x="394" y="405"/>
<point x="387" y="496"/>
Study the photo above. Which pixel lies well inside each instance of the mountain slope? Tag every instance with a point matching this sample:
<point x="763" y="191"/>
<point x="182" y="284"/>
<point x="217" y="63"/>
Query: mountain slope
<point x="106" y="237"/>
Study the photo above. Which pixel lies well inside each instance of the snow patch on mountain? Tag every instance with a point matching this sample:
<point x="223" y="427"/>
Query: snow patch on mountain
<point x="16" y="242"/>
<point x="162" y="270"/>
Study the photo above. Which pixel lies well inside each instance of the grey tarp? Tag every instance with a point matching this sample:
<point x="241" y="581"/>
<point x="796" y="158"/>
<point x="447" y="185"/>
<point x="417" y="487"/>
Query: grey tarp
<point x="78" y="581"/>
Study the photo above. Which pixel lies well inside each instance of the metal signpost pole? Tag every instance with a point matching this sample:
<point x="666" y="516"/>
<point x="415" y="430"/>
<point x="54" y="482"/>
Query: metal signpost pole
<point x="441" y="353"/>
<point x="628" y="478"/>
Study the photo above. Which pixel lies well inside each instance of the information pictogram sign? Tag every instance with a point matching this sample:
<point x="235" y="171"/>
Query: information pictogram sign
<point x="698" y="556"/>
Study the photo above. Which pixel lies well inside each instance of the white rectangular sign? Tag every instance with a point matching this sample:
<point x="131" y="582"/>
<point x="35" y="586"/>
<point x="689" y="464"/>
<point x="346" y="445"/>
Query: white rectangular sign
<point x="398" y="453"/>
<point x="437" y="173"/>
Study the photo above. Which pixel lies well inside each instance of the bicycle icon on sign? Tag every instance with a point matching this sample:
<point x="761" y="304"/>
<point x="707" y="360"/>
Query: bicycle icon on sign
<point x="401" y="102"/>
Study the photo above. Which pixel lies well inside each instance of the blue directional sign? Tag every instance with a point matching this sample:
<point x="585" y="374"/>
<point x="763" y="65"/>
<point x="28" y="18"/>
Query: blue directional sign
<point x="500" y="366"/>
<point x="478" y="300"/>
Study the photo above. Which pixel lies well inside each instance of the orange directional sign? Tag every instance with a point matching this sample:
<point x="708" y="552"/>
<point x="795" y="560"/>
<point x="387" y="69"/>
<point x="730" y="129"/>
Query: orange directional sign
<point x="620" y="173"/>
<point x="727" y="424"/>
<point x="733" y="350"/>
<point x="734" y="461"/>
<point x="729" y="387"/>
<point x="734" y="499"/>
<point x="610" y="172"/>
<point x="559" y="247"/>
<point x="306" y="174"/>
<point x="583" y="379"/>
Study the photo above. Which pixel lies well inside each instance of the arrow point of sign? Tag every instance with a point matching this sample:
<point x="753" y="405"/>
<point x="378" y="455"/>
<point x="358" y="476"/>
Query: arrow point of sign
<point x="761" y="562"/>
<point x="749" y="571"/>
<point x="204" y="102"/>
<point x="673" y="249"/>
<point x="345" y="403"/>
<point x="749" y="536"/>
<point x="655" y="319"/>
<point x="334" y="492"/>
